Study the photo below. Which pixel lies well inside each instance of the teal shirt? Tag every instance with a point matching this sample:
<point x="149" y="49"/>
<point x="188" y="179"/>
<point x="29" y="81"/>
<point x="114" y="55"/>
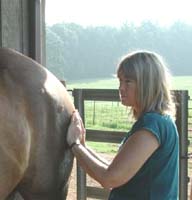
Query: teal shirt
<point x="158" y="177"/>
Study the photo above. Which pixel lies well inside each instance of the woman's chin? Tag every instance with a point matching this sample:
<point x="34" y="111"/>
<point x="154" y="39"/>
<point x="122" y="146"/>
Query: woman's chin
<point x="124" y="103"/>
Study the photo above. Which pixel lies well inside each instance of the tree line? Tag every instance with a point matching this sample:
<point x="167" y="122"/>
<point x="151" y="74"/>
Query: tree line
<point x="75" y="52"/>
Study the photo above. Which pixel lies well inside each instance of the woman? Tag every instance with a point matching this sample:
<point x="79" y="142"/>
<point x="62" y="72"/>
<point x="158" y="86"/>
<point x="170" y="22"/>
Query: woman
<point x="146" y="166"/>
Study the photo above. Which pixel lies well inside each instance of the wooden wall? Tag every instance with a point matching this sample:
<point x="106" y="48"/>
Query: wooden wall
<point x="21" y="26"/>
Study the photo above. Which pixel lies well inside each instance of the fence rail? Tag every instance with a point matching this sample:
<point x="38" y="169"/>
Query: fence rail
<point x="80" y="95"/>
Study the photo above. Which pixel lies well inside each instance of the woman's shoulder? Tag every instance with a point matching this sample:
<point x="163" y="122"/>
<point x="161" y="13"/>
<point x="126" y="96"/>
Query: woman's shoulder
<point x="157" y="124"/>
<point x="155" y="116"/>
<point x="154" y="119"/>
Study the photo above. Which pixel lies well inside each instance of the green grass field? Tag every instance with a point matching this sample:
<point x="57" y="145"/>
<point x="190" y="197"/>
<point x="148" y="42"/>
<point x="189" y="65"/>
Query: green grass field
<point x="178" y="82"/>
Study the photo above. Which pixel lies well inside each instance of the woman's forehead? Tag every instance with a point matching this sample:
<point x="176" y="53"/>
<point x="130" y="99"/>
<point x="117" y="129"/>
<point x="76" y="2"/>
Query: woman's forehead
<point x="126" y="73"/>
<point x="124" y="77"/>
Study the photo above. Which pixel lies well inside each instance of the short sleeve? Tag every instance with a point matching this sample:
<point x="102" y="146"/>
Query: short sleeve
<point x="154" y="123"/>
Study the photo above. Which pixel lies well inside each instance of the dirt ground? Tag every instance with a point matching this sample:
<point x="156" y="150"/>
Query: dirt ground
<point x="90" y="182"/>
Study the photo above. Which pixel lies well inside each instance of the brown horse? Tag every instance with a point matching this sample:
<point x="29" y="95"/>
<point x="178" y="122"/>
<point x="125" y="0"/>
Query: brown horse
<point x="35" y="111"/>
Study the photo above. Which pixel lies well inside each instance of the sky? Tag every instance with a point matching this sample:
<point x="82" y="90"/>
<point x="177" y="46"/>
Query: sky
<point x="118" y="12"/>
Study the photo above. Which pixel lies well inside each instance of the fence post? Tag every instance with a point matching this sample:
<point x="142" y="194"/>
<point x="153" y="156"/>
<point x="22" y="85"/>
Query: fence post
<point x="81" y="175"/>
<point x="182" y="126"/>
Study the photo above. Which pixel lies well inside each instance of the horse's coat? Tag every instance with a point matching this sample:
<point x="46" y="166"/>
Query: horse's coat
<point x="35" y="111"/>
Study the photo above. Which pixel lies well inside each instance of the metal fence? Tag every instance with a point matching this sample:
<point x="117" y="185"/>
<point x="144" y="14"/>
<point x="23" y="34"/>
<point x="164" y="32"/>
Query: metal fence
<point x="81" y="95"/>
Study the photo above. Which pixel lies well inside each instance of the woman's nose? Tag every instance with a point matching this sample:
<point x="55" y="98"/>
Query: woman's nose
<point x="121" y="87"/>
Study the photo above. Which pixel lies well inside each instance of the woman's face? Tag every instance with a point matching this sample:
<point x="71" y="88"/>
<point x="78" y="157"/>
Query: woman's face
<point x="127" y="91"/>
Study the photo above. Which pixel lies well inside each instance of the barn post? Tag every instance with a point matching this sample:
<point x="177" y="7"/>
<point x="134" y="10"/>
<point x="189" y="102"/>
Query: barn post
<point x="22" y="27"/>
<point x="37" y="30"/>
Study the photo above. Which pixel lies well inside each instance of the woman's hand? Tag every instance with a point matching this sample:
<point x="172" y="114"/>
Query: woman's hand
<point x="76" y="130"/>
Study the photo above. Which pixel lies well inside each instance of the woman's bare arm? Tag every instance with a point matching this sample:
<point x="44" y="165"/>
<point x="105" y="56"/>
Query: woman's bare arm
<point x="134" y="153"/>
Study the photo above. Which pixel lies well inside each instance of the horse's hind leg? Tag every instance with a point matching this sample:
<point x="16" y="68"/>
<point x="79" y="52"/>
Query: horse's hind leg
<point x="9" y="177"/>
<point x="13" y="162"/>
<point x="12" y="167"/>
<point x="14" y="147"/>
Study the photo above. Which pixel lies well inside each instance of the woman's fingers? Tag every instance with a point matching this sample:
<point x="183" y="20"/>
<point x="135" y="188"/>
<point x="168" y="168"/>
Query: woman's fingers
<point x="76" y="129"/>
<point x="75" y="116"/>
<point x="77" y="119"/>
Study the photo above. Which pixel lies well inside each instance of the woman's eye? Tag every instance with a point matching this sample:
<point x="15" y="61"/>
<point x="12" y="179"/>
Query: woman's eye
<point x="128" y="81"/>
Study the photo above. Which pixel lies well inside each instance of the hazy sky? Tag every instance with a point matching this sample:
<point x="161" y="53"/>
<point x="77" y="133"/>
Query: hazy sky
<point x="116" y="12"/>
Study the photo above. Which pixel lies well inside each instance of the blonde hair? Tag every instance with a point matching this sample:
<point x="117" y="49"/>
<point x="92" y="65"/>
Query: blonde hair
<point x="152" y="78"/>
